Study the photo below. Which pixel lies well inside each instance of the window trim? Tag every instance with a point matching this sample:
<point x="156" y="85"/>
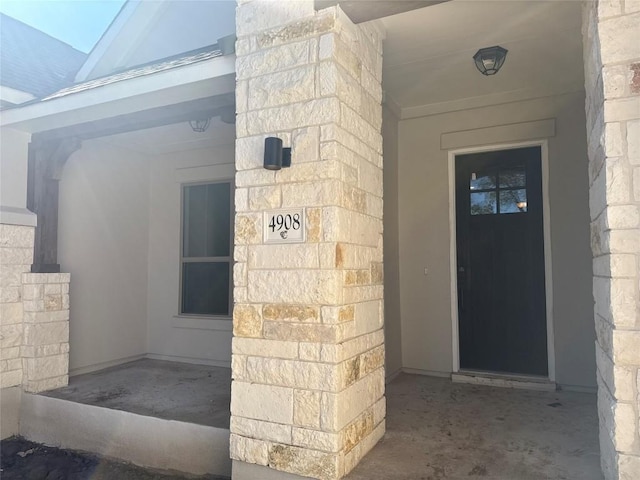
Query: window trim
<point x="182" y="259"/>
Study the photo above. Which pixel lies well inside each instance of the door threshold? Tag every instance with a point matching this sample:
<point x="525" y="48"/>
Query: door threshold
<point x="525" y="382"/>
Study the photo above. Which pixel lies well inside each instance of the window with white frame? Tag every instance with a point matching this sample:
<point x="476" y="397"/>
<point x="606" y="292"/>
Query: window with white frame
<point x="206" y="252"/>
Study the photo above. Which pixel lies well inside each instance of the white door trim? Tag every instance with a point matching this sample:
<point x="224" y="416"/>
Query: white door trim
<point x="546" y="220"/>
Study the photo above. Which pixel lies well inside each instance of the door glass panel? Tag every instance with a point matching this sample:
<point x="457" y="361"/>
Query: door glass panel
<point x="483" y="203"/>
<point x="482" y="181"/>
<point x="515" y="177"/>
<point x="513" y="201"/>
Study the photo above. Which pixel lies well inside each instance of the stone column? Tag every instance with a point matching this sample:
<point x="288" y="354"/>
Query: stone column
<point x="16" y="256"/>
<point x="45" y="349"/>
<point x="611" y="30"/>
<point x="308" y="349"/>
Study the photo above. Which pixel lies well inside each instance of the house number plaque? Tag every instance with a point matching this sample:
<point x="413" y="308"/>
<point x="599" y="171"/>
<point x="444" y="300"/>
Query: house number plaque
<point x="284" y="226"/>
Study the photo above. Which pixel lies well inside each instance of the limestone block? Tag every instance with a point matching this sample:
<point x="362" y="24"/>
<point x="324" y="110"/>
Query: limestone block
<point x="614" y="144"/>
<point x="340" y="409"/>
<point x="636" y="184"/>
<point x="305" y="144"/>
<point x="623" y="216"/>
<point x="307" y="287"/>
<point x="10" y="335"/>
<point x="357" y="430"/>
<point x="241" y="200"/>
<point x="628" y="465"/>
<point x="282" y="88"/>
<point x="300" y="332"/>
<point x="360" y="128"/>
<point x="363" y="294"/>
<point x="314" y="224"/>
<point x="309" y="351"/>
<point x="37" y="386"/>
<point x="240" y="274"/>
<point x="359" y="451"/>
<point x="265" y="198"/>
<point x="292" y="373"/>
<point x="10" y="294"/>
<point x="242" y="92"/>
<point x="33" y="292"/>
<point x="622" y="109"/>
<point x="335" y="133"/>
<point x="248" y="450"/>
<point x="10" y="353"/>
<point x="16" y="256"/>
<point x="239" y="367"/>
<point x="264" y="348"/>
<point x="624" y="241"/>
<point x="16" y="236"/>
<point x="40" y="368"/>
<point x="46" y="333"/>
<point x="618" y="379"/>
<point x="323" y="22"/>
<point x="333" y="79"/>
<point x="240" y="253"/>
<point x="255" y="16"/>
<point x="316" y="440"/>
<point x="274" y="432"/>
<point x="249" y="161"/>
<point x="275" y="403"/>
<point x="305" y="462"/>
<point x="46" y="317"/>
<point x="616" y="265"/>
<point x="291" y="313"/>
<point x="356" y="277"/>
<point x="311" y="194"/>
<point x="371" y="361"/>
<point x="240" y="295"/>
<point x="273" y="60"/>
<point x="307" y="172"/>
<point x="616" y="34"/>
<point x="11" y="313"/>
<point x="301" y="255"/>
<point x="333" y="315"/>
<point x="633" y="142"/>
<point x="306" y="408"/>
<point x="625" y="347"/>
<point x="52" y="302"/>
<point x="333" y="47"/>
<point x="247" y="321"/>
<point x="344" y="226"/>
<point x="616" y="80"/>
<point x="11" y="379"/>
<point x="248" y="229"/>
<point x="313" y="112"/>
<point x="609" y="8"/>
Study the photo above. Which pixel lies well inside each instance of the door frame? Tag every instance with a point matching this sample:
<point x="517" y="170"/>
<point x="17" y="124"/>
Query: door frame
<point x="546" y="225"/>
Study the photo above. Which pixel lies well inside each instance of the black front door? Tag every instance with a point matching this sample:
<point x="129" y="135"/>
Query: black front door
<point x="501" y="289"/>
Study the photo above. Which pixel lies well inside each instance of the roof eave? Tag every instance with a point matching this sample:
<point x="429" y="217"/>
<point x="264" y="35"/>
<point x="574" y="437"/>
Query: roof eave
<point x="186" y="83"/>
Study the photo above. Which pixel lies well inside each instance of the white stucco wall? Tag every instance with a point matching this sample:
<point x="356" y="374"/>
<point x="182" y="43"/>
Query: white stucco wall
<point x="103" y="243"/>
<point x="194" y="339"/>
<point x="14" y="147"/>
<point x="392" y="325"/>
<point x="425" y="239"/>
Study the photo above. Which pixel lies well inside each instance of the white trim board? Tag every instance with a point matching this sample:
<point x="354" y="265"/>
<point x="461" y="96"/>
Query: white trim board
<point x="546" y="225"/>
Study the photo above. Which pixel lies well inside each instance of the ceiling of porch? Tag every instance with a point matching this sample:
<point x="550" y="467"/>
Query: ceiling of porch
<point x="427" y="54"/>
<point x="174" y="138"/>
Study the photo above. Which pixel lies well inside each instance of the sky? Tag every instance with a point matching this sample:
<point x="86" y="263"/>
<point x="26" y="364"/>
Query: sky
<point x="80" y="23"/>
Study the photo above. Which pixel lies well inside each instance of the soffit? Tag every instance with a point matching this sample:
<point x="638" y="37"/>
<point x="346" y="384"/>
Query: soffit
<point x="427" y="52"/>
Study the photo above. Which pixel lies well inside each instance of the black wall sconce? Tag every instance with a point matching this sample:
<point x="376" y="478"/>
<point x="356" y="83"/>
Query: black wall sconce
<point x="489" y="60"/>
<point x="276" y="157"/>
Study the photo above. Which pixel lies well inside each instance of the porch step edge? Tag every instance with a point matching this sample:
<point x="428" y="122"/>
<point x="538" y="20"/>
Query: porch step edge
<point x="504" y="381"/>
<point x="138" y="439"/>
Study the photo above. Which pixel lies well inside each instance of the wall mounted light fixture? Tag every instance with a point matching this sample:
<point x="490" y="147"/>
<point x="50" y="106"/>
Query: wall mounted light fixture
<point x="489" y="60"/>
<point x="275" y="156"/>
<point x="200" y="125"/>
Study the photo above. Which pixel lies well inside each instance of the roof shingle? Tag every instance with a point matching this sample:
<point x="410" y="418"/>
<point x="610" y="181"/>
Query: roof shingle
<point x="34" y="62"/>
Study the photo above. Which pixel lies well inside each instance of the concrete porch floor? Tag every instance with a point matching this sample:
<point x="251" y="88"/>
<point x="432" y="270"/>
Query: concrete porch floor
<point x="185" y="392"/>
<point x="437" y="429"/>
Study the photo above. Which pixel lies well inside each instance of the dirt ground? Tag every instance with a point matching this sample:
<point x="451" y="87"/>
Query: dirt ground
<point x="24" y="460"/>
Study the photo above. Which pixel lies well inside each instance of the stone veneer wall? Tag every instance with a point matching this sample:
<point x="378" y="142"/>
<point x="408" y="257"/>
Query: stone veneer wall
<point x="308" y="347"/>
<point x="34" y="317"/>
<point x="611" y="39"/>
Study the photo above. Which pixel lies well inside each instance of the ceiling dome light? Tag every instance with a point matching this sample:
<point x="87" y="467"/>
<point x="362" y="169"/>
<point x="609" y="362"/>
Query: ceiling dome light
<point x="489" y="60"/>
